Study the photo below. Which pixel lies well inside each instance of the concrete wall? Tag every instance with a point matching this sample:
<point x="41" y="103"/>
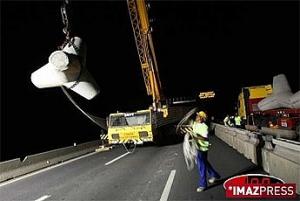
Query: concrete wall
<point x="283" y="161"/>
<point x="16" y="167"/>
<point x="243" y="141"/>
<point x="279" y="157"/>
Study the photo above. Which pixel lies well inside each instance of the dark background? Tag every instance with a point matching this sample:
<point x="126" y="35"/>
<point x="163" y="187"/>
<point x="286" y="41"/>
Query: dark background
<point x="220" y="46"/>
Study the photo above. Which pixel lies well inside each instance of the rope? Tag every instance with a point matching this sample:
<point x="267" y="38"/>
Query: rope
<point x="185" y="119"/>
<point x="81" y="110"/>
<point x="128" y="150"/>
<point x="189" y="152"/>
<point x="188" y="146"/>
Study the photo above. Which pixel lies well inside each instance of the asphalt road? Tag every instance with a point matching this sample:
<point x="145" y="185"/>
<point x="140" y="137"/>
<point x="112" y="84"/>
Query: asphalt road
<point x="150" y="173"/>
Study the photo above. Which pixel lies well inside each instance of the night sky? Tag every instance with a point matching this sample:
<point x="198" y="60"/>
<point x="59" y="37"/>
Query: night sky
<point x="220" y="46"/>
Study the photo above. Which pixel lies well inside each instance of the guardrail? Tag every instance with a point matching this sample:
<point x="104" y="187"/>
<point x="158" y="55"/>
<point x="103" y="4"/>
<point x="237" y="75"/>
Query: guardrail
<point x="14" y="168"/>
<point x="279" y="157"/>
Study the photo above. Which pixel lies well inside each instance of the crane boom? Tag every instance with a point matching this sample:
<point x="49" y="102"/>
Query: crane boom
<point x="144" y="43"/>
<point x="144" y="125"/>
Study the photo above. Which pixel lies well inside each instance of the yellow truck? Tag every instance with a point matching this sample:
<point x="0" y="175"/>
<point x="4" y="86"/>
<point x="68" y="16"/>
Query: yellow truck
<point x="249" y="98"/>
<point x="277" y="120"/>
<point x="144" y="125"/>
<point x="136" y="127"/>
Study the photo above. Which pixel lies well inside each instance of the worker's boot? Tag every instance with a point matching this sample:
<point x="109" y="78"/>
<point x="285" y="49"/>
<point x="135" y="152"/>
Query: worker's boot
<point x="212" y="180"/>
<point x="200" y="189"/>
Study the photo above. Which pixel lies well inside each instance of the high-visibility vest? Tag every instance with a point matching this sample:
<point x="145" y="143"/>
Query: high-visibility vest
<point x="201" y="129"/>
<point x="237" y="120"/>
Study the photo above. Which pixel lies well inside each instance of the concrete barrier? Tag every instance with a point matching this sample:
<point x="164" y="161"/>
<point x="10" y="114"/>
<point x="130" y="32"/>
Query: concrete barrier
<point x="279" y="157"/>
<point x="245" y="142"/>
<point x="253" y="148"/>
<point x="283" y="161"/>
<point x="224" y="134"/>
<point x="251" y="128"/>
<point x="241" y="138"/>
<point x="16" y="167"/>
<point x="276" y="132"/>
<point x="6" y="166"/>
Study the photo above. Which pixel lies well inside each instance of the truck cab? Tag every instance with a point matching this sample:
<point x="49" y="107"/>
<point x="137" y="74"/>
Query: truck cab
<point x="248" y="100"/>
<point x="135" y="127"/>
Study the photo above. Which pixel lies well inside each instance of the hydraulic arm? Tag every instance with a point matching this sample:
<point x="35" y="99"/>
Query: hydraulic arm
<point x="144" y="43"/>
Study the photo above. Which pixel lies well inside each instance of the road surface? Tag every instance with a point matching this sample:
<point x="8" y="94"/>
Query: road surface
<point x="150" y="173"/>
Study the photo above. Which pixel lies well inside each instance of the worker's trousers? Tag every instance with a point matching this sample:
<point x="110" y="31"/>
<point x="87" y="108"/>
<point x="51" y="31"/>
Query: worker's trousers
<point x="203" y="166"/>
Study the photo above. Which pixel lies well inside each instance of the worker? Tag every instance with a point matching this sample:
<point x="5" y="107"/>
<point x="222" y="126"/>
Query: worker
<point x="227" y="122"/>
<point x="237" y="121"/>
<point x="231" y="118"/>
<point x="199" y="133"/>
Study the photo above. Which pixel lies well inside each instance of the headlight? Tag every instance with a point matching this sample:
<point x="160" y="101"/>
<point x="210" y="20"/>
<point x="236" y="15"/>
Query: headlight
<point x="115" y="136"/>
<point x="143" y="134"/>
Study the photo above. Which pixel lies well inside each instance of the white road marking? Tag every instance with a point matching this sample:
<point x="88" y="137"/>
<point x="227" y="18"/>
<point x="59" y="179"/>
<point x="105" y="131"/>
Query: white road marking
<point x="43" y="198"/>
<point x="119" y="157"/>
<point x="46" y="169"/>
<point x="167" y="189"/>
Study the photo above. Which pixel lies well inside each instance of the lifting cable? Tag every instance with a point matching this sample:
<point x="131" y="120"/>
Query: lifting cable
<point x="133" y="149"/>
<point x="64" y="9"/>
<point x="67" y="31"/>
<point x="80" y="109"/>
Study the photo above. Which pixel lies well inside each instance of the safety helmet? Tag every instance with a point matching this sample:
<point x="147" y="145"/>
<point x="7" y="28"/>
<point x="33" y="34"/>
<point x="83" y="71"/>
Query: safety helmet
<point x="202" y="114"/>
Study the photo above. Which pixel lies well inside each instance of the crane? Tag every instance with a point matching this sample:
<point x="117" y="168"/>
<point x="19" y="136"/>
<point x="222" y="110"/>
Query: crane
<point x="143" y="125"/>
<point x="145" y="48"/>
<point x="137" y="127"/>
